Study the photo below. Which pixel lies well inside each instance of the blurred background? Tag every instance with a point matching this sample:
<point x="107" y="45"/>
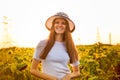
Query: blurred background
<point x="95" y="20"/>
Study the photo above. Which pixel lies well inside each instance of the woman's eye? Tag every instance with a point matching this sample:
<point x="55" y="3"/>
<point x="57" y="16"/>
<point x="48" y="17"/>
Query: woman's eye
<point x="63" y="23"/>
<point x="56" y="22"/>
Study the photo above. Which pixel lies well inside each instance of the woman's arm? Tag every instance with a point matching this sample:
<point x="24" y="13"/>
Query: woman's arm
<point x="75" y="73"/>
<point x="34" y="71"/>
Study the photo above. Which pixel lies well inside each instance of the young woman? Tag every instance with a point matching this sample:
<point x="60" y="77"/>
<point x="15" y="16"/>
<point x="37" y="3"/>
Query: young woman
<point x="57" y="52"/>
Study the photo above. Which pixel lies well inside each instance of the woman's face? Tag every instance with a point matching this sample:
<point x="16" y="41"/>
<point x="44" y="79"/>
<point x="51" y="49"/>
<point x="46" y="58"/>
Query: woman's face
<point x="60" y="26"/>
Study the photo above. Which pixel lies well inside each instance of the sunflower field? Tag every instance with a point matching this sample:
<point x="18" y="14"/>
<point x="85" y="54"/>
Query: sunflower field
<point x="97" y="62"/>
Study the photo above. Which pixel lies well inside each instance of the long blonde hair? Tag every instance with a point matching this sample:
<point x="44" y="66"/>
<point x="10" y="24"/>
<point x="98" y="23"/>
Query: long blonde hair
<point x="70" y="46"/>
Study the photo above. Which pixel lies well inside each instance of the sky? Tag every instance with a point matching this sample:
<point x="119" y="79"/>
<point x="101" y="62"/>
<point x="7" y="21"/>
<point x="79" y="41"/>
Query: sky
<point x="27" y="19"/>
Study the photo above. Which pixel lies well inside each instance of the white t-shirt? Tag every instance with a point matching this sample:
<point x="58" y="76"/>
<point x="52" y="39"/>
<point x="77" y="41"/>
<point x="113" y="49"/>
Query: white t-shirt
<point x="56" y="62"/>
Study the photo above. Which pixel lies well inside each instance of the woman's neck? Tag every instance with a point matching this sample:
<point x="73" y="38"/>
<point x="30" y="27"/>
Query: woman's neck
<point x="59" y="38"/>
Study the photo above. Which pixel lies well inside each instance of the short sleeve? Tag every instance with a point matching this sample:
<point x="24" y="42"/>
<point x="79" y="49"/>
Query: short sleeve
<point x="75" y="63"/>
<point x="39" y="48"/>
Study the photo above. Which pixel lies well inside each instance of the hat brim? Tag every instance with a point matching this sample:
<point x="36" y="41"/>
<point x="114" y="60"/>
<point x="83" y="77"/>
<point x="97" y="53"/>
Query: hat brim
<point x="49" y="21"/>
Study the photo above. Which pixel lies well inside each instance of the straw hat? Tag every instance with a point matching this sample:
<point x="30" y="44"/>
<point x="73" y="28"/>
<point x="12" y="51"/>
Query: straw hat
<point x="48" y="23"/>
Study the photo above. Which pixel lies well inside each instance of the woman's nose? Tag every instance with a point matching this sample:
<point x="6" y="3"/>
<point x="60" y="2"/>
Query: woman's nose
<point x="60" y="24"/>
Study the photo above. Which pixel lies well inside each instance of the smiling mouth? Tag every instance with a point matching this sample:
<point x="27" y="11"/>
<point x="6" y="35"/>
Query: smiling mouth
<point x="59" y="29"/>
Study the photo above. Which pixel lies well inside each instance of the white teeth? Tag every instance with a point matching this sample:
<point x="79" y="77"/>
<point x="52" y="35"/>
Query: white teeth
<point x="59" y="28"/>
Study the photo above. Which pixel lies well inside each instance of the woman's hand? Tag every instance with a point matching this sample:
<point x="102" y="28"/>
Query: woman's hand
<point x="67" y="77"/>
<point x="75" y="73"/>
<point x="71" y="76"/>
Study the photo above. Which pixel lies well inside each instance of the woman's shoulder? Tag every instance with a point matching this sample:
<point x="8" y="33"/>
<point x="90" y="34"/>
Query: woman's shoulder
<point x="42" y="42"/>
